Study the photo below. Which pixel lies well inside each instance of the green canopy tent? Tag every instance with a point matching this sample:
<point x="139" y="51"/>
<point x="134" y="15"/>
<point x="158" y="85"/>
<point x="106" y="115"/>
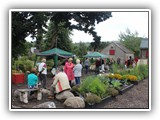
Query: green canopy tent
<point x="95" y="55"/>
<point x="54" y="53"/>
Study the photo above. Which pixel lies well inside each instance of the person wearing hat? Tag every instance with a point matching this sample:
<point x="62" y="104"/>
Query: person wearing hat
<point x="68" y="69"/>
<point x="32" y="79"/>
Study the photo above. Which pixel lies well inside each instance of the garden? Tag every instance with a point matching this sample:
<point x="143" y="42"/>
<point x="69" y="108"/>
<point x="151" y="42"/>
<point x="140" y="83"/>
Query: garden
<point x="95" y="90"/>
<point x="103" y="87"/>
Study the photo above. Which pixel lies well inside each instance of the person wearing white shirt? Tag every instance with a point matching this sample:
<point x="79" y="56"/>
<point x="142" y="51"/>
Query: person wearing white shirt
<point x="42" y="68"/>
<point x="77" y="72"/>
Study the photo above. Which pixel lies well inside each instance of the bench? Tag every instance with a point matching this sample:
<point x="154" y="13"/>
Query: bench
<point x="24" y="93"/>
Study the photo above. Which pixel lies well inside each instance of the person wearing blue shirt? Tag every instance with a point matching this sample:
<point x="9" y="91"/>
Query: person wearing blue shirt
<point x="32" y="79"/>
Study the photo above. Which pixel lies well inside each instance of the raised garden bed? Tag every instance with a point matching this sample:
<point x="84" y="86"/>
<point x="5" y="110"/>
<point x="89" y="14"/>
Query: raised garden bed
<point x="125" y="88"/>
<point x="104" y="100"/>
<point x="99" y="105"/>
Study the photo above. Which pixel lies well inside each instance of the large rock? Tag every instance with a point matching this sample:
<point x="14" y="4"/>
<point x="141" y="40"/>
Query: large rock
<point x="45" y="91"/>
<point x="46" y="105"/>
<point x="64" y="95"/>
<point x="74" y="102"/>
<point x="16" y="93"/>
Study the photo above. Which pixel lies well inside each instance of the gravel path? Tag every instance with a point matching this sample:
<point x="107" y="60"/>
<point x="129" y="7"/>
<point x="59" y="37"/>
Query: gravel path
<point x="136" y="97"/>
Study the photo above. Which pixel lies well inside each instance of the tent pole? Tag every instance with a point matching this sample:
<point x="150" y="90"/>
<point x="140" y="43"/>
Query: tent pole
<point x="55" y="61"/>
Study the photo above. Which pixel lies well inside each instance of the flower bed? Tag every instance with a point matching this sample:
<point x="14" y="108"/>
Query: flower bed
<point x="97" y="90"/>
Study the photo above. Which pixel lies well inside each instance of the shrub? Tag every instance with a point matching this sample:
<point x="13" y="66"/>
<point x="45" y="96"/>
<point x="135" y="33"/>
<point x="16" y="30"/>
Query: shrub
<point x="143" y="69"/>
<point x="23" y="64"/>
<point x="94" y="85"/>
<point x="113" y="91"/>
<point x="92" y="99"/>
<point x="75" y="88"/>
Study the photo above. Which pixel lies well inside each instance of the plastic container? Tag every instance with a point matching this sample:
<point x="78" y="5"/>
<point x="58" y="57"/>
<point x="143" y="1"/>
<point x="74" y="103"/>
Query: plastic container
<point x="18" y="78"/>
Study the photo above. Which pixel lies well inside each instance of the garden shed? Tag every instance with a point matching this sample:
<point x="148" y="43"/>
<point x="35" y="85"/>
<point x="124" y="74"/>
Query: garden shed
<point x="115" y="50"/>
<point x="55" y="53"/>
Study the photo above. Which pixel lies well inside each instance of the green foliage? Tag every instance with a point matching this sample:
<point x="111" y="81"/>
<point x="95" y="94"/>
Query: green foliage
<point x="50" y="64"/>
<point x="105" y="80"/>
<point x="24" y="24"/>
<point x="113" y="91"/>
<point x="23" y="64"/>
<point x="35" y="24"/>
<point x="80" y="50"/>
<point x="143" y="71"/>
<point x="94" y="85"/>
<point x="94" y="46"/>
<point x="75" y="88"/>
<point x="58" y="36"/>
<point x="115" y="68"/>
<point x="116" y="84"/>
<point x="92" y="99"/>
<point x="131" y="41"/>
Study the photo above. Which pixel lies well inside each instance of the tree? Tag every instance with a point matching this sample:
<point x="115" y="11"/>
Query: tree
<point x="24" y="24"/>
<point x="58" y="37"/>
<point x="80" y="50"/>
<point x="34" y="24"/>
<point x="131" y="41"/>
<point x="101" y="46"/>
<point x="85" y="21"/>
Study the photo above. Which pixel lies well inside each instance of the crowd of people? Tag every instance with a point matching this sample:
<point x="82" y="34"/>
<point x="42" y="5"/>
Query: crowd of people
<point x="64" y="76"/>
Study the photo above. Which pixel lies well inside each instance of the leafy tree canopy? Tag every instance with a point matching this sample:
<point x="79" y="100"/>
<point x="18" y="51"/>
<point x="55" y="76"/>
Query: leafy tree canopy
<point x="35" y="24"/>
<point x="131" y="41"/>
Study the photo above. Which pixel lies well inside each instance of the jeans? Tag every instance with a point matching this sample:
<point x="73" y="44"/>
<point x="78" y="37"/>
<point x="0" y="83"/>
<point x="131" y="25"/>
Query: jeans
<point x="87" y="67"/>
<point x="77" y="79"/>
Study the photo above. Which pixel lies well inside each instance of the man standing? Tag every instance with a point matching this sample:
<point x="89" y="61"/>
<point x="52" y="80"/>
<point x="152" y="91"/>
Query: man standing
<point x="86" y="63"/>
<point x="42" y="68"/>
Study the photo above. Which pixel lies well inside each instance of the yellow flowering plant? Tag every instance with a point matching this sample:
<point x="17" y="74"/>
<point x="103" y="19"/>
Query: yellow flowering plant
<point x="129" y="77"/>
<point x="118" y="76"/>
<point x="132" y="78"/>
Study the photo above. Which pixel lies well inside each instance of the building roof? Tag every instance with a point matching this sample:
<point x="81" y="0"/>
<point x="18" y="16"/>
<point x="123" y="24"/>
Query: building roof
<point x="144" y="43"/>
<point x="122" y="47"/>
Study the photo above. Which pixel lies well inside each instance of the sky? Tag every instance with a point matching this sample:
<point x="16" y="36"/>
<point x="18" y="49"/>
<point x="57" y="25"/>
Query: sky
<point x="110" y="29"/>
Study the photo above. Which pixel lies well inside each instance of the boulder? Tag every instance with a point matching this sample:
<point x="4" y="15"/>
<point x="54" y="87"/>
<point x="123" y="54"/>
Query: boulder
<point x="64" y="95"/>
<point x="16" y="93"/>
<point x="74" y="102"/>
<point x="46" y="105"/>
<point x="45" y="91"/>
